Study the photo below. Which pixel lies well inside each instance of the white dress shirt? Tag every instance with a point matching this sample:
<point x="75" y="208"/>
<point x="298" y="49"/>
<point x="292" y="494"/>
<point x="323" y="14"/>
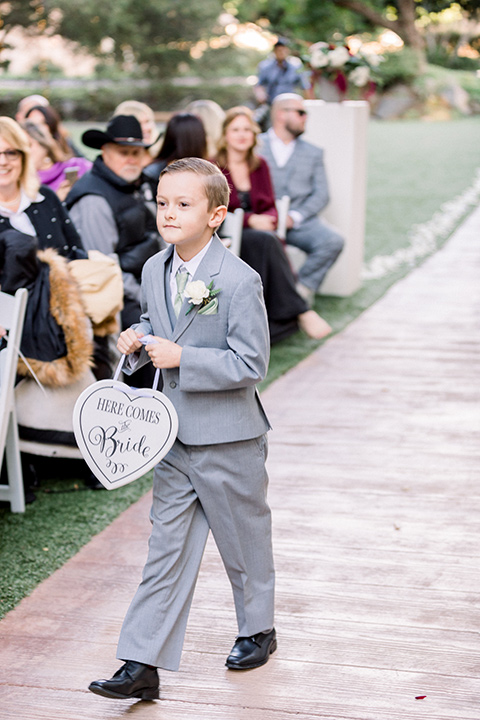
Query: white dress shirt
<point x="19" y="219"/>
<point x="191" y="266"/>
<point x="282" y="152"/>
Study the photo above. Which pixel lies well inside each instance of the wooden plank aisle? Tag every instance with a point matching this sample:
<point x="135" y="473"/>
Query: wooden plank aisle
<point x="374" y="468"/>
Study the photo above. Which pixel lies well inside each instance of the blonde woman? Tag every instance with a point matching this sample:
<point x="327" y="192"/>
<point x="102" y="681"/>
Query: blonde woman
<point x="36" y="238"/>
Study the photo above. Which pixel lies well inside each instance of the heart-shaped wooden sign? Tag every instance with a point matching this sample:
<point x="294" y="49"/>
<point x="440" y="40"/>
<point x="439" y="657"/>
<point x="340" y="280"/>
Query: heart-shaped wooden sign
<point x="123" y="432"/>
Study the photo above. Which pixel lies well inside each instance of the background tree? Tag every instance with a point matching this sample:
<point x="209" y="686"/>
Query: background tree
<point x="308" y="20"/>
<point x="153" y="35"/>
<point x="314" y="20"/>
<point x="156" y="37"/>
<point x="401" y="15"/>
<point x="29" y="15"/>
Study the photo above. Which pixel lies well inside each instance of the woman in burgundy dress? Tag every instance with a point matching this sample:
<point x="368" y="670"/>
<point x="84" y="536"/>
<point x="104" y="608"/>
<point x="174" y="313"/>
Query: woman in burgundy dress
<point x="251" y="189"/>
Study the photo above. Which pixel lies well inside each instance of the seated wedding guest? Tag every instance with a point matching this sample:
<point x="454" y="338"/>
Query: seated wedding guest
<point x="110" y="207"/>
<point x="212" y="117"/>
<point x="24" y="206"/>
<point x="146" y="118"/>
<point x="37" y="238"/>
<point x="54" y="170"/>
<point x="297" y="170"/>
<point x="251" y="189"/>
<point x="28" y="102"/>
<point x="48" y="118"/>
<point x="184" y="137"/>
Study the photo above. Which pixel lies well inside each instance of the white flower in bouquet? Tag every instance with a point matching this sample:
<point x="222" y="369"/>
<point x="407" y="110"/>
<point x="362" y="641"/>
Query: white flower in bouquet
<point x="373" y="59"/>
<point x="338" y="57"/>
<point x="360" y="76"/>
<point x="318" y="55"/>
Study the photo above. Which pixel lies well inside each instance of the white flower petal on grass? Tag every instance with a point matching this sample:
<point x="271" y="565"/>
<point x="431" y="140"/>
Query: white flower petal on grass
<point x="424" y="238"/>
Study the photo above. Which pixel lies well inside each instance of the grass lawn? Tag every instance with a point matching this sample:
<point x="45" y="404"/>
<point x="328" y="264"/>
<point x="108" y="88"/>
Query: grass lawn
<point x="414" y="167"/>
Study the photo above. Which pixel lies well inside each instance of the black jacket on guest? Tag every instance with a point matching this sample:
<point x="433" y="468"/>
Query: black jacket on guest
<point x="55" y="332"/>
<point x="53" y="226"/>
<point x="137" y="230"/>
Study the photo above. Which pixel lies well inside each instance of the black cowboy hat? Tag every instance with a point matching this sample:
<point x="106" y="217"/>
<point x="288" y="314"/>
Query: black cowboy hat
<point x="121" y="130"/>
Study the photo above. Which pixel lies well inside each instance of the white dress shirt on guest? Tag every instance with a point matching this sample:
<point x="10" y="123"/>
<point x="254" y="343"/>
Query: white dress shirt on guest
<point x="282" y="152"/>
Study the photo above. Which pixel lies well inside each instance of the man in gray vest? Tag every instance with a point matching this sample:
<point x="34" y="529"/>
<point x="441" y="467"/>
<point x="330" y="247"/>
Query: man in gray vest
<point x="297" y="170"/>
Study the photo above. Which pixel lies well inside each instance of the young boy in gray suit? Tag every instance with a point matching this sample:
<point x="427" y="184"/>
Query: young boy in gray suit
<point x="211" y="342"/>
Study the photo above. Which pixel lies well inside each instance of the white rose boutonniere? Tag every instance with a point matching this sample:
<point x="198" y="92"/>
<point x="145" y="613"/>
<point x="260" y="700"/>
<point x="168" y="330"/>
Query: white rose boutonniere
<point x="202" y="295"/>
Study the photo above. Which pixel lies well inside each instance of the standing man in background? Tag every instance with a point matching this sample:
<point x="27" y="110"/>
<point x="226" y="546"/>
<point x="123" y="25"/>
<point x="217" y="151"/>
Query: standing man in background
<point x="279" y="74"/>
<point x="276" y="75"/>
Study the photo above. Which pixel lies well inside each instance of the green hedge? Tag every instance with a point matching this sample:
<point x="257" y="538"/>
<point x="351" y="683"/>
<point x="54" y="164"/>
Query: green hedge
<point x="398" y="67"/>
<point x="87" y="102"/>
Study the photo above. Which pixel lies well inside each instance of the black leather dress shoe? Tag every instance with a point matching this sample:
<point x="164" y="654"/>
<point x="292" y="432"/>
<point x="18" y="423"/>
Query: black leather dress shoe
<point x="251" y="652"/>
<point x="132" y="680"/>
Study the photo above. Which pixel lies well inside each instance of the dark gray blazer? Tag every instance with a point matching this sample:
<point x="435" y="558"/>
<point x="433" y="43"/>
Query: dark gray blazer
<point x="224" y="355"/>
<point x="303" y="178"/>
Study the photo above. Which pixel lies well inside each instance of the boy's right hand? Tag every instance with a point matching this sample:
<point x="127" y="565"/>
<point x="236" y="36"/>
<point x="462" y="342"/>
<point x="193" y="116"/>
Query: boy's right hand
<point x="128" y="342"/>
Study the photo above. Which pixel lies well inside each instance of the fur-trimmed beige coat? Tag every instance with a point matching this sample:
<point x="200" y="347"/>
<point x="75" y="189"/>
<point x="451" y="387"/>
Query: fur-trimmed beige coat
<point x="68" y="310"/>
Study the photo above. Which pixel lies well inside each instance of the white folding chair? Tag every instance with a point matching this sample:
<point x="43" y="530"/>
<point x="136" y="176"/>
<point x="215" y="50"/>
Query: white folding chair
<point x="282" y="205"/>
<point x="12" y="313"/>
<point x="231" y="229"/>
<point x="294" y="254"/>
<point x="60" y="402"/>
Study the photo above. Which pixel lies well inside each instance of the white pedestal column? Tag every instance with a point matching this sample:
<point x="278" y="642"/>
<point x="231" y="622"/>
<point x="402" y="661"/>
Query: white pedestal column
<point x="341" y="130"/>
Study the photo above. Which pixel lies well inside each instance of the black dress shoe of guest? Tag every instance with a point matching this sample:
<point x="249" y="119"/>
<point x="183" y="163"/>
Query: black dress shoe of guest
<point x="132" y="680"/>
<point x="251" y="652"/>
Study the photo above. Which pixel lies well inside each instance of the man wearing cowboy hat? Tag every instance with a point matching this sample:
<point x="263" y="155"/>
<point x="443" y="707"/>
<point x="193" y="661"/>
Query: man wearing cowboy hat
<point x="111" y="207"/>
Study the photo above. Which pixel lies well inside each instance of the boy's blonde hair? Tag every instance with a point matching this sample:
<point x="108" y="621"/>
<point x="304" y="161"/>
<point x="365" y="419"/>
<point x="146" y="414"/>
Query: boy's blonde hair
<point x="214" y="181"/>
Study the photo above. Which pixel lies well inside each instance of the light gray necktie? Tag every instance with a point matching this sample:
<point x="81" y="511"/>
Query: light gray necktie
<point x="181" y="278"/>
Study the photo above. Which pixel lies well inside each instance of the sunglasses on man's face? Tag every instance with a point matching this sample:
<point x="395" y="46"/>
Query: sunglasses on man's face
<point x="299" y="112"/>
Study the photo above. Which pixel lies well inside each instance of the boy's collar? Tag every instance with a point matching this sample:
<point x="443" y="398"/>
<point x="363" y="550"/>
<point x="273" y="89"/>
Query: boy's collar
<point x="191" y="264"/>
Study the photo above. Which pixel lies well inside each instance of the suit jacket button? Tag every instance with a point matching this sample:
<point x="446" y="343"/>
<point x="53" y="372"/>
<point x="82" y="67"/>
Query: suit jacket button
<point x="173" y="384"/>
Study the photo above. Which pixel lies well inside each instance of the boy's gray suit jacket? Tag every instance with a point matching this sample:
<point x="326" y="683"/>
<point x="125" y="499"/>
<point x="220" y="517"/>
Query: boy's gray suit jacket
<point x="224" y="355"/>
